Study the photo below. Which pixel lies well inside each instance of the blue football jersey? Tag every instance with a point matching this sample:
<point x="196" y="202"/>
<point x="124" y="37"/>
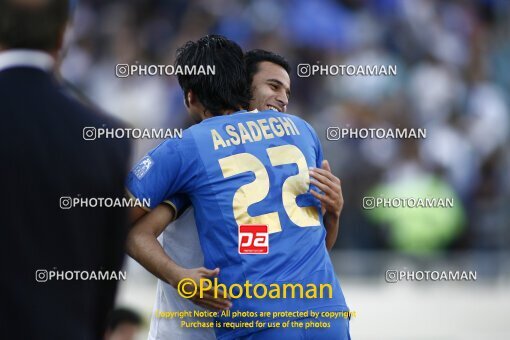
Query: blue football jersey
<point x="249" y="168"/>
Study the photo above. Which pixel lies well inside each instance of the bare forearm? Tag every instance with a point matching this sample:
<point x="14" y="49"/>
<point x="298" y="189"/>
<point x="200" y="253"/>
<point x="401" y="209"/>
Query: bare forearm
<point x="143" y="246"/>
<point x="331" y="223"/>
<point x="146" y="250"/>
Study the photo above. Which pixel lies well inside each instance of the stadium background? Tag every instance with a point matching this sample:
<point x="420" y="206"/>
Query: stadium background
<point x="453" y="79"/>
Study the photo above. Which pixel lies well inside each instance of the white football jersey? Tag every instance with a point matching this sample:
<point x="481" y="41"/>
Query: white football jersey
<point x="180" y="242"/>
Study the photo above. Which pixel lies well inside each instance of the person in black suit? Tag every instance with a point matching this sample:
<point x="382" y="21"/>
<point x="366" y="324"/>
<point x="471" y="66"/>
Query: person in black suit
<point x="45" y="157"/>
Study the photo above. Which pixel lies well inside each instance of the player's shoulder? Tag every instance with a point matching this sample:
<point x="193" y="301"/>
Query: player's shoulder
<point x="182" y="146"/>
<point x="300" y="122"/>
<point x="294" y="118"/>
<point x="302" y="125"/>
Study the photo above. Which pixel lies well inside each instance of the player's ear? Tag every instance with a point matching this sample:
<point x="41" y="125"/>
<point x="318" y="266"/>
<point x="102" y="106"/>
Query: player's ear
<point x="191" y="98"/>
<point x="186" y="98"/>
<point x="194" y="103"/>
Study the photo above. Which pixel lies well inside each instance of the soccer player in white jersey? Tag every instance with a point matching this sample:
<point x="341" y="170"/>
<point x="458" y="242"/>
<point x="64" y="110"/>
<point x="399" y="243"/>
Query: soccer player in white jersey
<point x="268" y="74"/>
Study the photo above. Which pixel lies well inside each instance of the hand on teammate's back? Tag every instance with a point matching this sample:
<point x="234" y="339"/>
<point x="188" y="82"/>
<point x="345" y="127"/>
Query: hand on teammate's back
<point x="208" y="300"/>
<point x="332" y="200"/>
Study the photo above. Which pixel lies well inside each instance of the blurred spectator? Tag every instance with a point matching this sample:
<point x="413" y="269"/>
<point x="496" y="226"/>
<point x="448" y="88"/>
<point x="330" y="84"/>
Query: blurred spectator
<point x="453" y="59"/>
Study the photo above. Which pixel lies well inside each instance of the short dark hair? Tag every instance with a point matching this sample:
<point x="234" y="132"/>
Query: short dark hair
<point x="254" y="57"/>
<point x="123" y="315"/>
<point x="227" y="88"/>
<point x="33" y="24"/>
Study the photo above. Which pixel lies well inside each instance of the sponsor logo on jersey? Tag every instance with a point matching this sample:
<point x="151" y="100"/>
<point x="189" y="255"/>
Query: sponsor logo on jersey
<point x="253" y="239"/>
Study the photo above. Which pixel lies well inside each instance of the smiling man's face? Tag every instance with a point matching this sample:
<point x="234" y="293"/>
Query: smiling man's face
<point x="270" y="87"/>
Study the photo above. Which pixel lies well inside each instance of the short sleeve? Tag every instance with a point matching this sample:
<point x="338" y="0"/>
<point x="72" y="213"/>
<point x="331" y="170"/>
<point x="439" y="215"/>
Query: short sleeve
<point x="160" y="174"/>
<point x="179" y="202"/>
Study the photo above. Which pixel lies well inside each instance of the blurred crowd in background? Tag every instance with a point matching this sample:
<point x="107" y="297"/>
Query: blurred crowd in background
<point x="453" y="60"/>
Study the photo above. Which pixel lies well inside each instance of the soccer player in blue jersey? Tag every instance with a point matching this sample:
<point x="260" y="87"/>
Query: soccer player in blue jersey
<point x="243" y="168"/>
<point x="269" y="78"/>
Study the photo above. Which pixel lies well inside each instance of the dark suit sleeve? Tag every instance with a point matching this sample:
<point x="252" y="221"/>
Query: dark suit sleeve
<point x="115" y="232"/>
